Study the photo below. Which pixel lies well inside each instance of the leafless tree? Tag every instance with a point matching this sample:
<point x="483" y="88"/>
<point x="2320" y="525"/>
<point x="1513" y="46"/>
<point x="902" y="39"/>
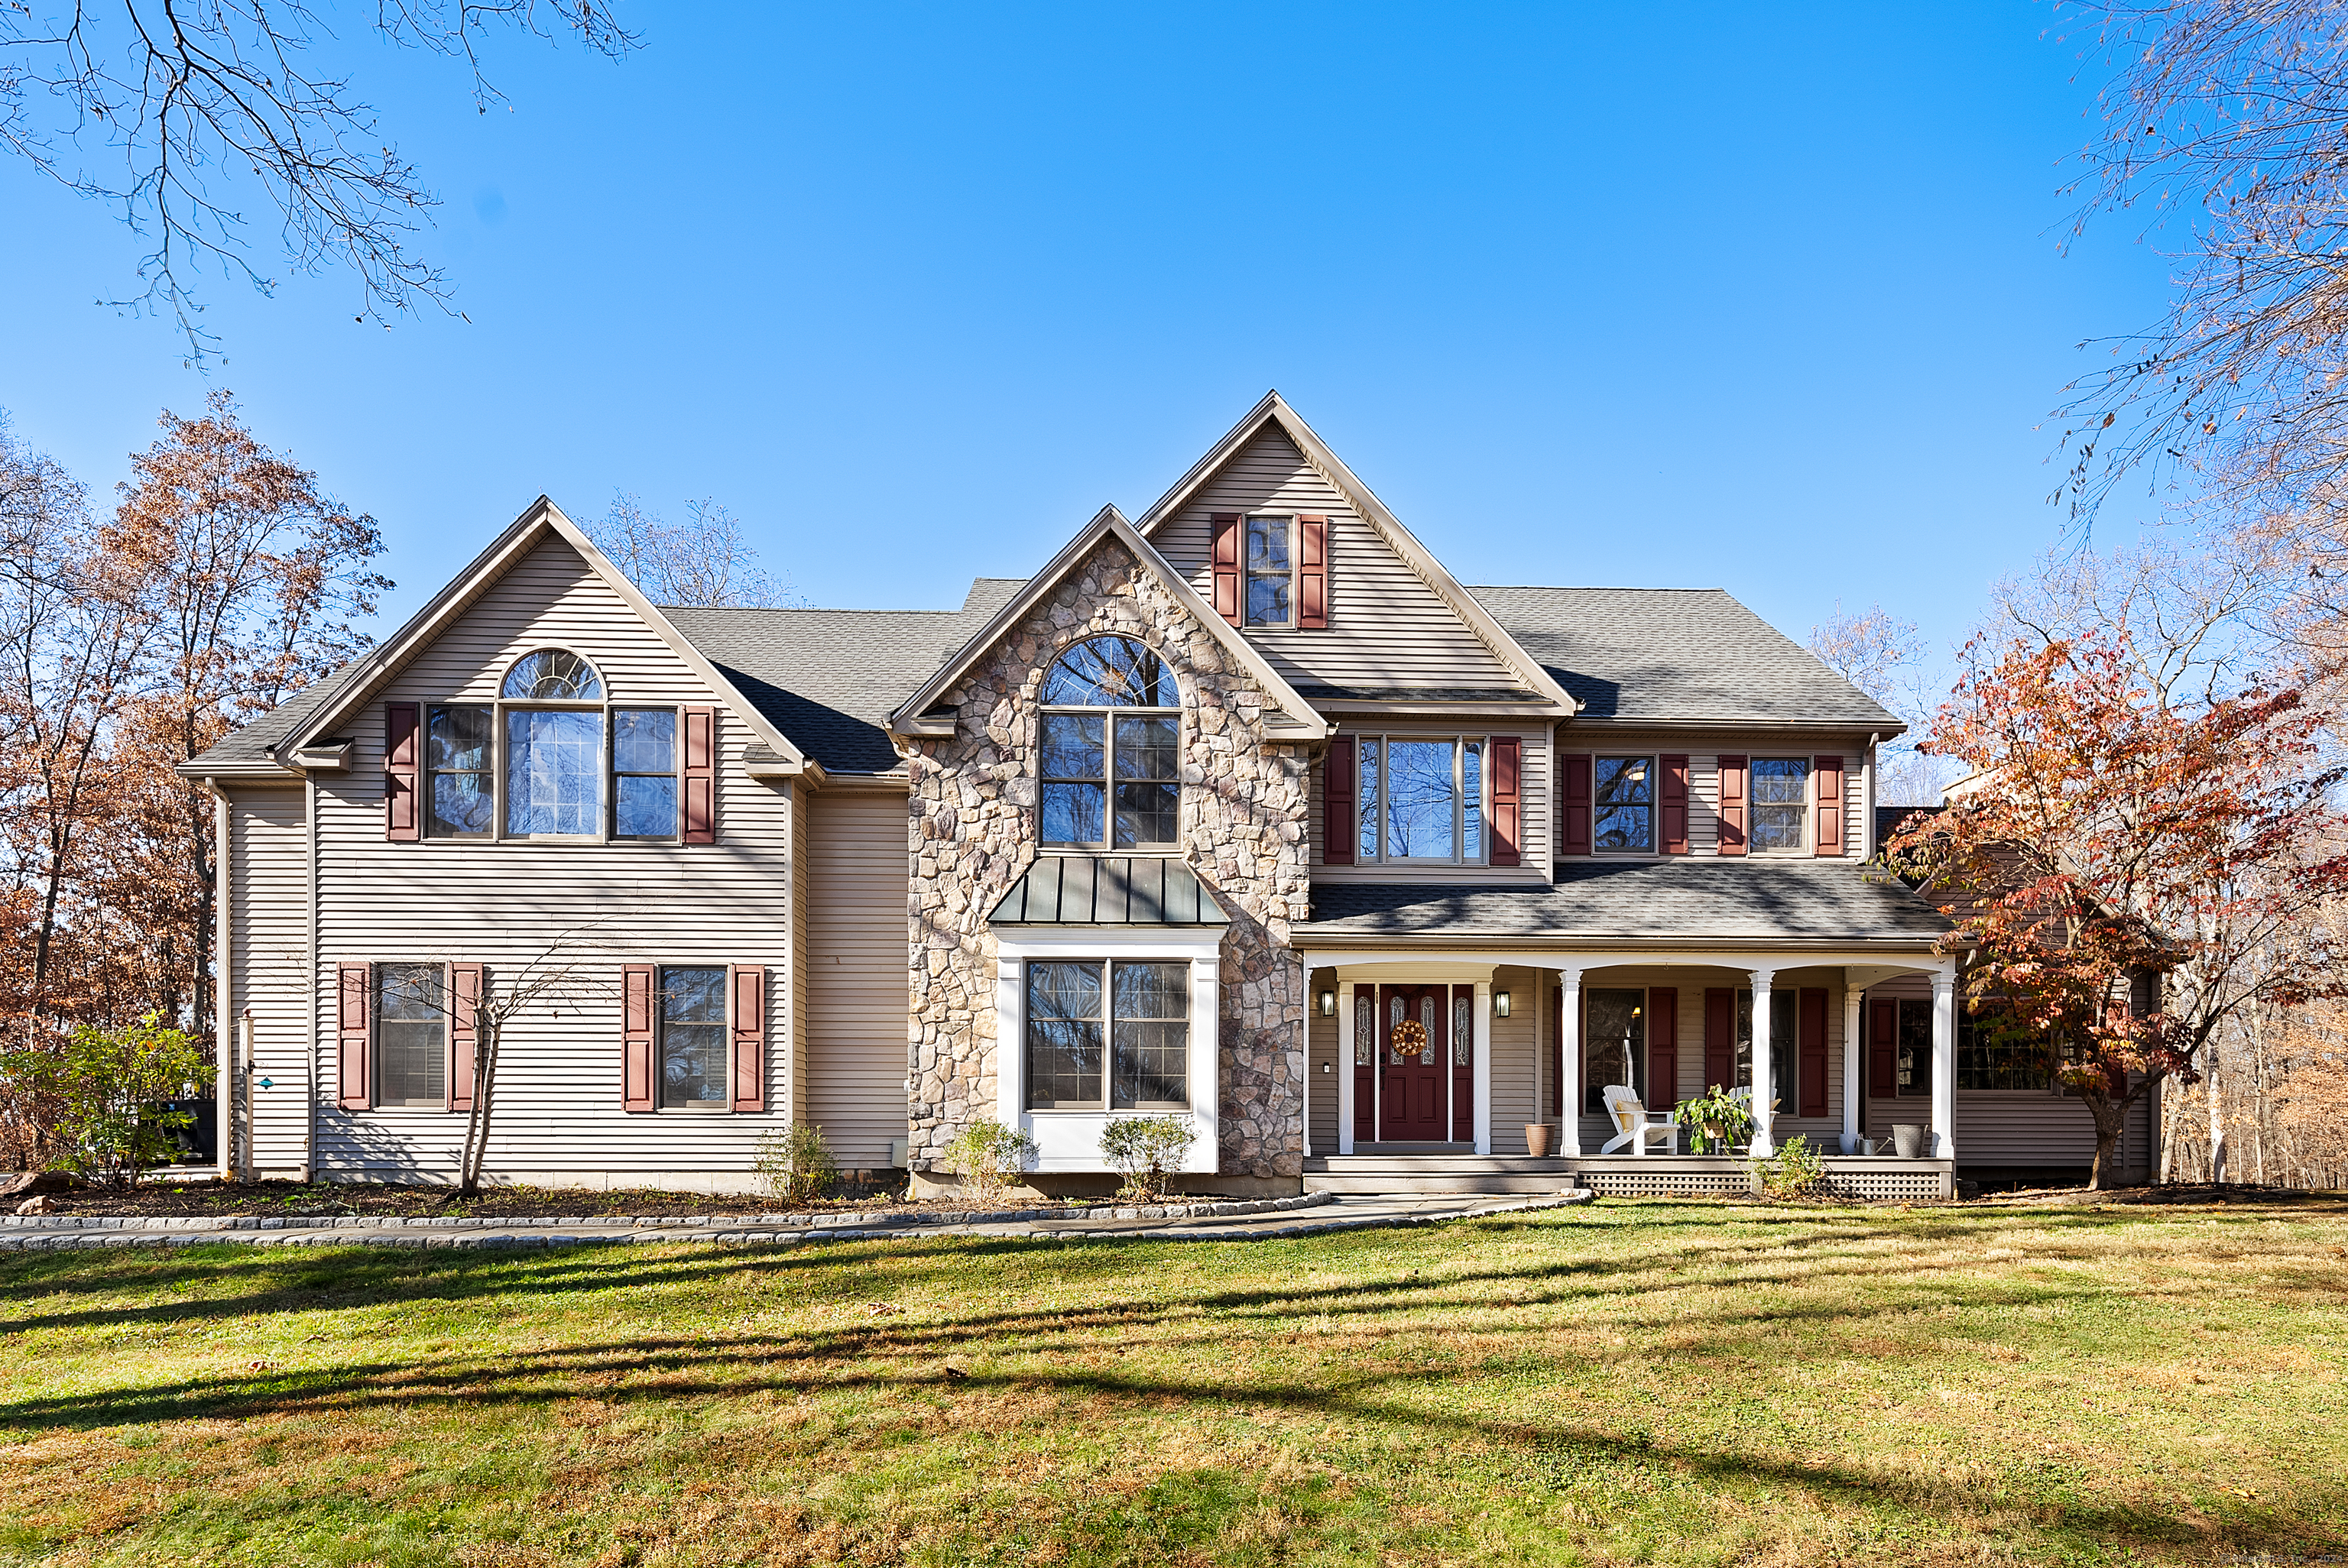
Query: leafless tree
<point x="178" y="113"/>
<point x="706" y="560"/>
<point x="1884" y="657"/>
<point x="569" y="966"/>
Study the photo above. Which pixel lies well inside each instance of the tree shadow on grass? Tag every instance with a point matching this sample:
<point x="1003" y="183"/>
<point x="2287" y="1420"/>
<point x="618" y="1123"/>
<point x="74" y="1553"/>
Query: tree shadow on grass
<point x="1357" y="1394"/>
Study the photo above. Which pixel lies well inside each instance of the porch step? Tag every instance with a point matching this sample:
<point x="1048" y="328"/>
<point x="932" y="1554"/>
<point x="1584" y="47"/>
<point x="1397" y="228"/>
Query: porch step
<point x="1366" y="1173"/>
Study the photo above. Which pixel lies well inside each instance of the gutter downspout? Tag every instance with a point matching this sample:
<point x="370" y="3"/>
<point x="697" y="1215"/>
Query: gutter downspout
<point x="226" y="1040"/>
<point x="310" y="991"/>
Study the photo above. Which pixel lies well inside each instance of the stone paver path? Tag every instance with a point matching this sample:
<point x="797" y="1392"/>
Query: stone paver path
<point x="1309" y="1216"/>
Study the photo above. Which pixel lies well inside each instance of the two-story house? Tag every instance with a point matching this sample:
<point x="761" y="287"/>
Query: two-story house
<point x="1242" y="810"/>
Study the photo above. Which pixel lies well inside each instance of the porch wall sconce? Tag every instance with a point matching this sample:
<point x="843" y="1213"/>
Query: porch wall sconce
<point x="1328" y="1004"/>
<point x="1499" y="1004"/>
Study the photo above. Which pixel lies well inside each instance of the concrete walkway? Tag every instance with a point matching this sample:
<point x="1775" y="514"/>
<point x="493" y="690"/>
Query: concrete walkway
<point x="1315" y="1214"/>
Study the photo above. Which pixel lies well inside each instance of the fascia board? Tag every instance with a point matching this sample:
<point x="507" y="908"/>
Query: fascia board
<point x="1274" y="409"/>
<point x="542" y="517"/>
<point x="1886" y="730"/>
<point x="1303" y="720"/>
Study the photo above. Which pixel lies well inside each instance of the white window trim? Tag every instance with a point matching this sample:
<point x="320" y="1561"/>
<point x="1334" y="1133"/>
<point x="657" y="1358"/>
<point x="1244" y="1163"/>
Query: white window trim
<point x="1292" y="519"/>
<point x="1458" y="743"/>
<point x="1654" y="804"/>
<point x="1108" y="716"/>
<point x="1069" y="1141"/>
<point x="1809" y="805"/>
<point x="607" y="787"/>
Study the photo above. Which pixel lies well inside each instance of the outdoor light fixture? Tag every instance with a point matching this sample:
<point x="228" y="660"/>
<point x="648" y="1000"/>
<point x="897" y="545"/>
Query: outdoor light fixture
<point x="1325" y="1067"/>
<point x="1328" y="1004"/>
<point x="1500" y="1004"/>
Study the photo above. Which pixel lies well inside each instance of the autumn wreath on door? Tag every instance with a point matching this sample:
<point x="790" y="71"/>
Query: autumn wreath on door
<point x="1409" y="1037"/>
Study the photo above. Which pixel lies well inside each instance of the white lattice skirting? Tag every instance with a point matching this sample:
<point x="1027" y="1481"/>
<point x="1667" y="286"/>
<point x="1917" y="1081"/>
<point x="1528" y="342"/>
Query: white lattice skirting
<point x="1871" y="1180"/>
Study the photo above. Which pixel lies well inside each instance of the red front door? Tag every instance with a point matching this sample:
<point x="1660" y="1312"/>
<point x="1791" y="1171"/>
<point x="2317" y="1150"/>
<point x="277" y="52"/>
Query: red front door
<point x="1413" y="1104"/>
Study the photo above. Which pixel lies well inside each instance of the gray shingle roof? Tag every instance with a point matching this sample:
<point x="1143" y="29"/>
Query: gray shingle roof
<point x="251" y="744"/>
<point x="829" y="678"/>
<point x="1756" y="900"/>
<point x="1675" y="654"/>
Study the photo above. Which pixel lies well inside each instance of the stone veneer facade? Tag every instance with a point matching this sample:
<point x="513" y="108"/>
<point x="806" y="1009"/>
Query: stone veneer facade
<point x="972" y="833"/>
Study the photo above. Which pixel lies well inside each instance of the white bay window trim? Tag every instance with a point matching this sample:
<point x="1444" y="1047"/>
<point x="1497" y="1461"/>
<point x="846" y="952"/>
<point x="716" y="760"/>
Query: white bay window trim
<point x="1069" y="1141"/>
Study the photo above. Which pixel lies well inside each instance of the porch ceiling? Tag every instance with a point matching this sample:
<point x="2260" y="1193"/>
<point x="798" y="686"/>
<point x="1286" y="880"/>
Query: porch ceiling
<point x="1754" y="900"/>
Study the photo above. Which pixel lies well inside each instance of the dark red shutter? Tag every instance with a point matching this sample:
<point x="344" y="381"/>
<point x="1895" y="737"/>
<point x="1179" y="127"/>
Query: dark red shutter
<point x="1719" y="1037"/>
<point x="701" y="775"/>
<point x="1883" y="1050"/>
<point x="1504" y="788"/>
<point x="1663" y="1050"/>
<point x="1811" y="1029"/>
<point x="749" y="1038"/>
<point x="1732" y="805"/>
<point x="1338" y="824"/>
<point x="1226" y="566"/>
<point x="1675" y="805"/>
<point x="401" y="818"/>
<point x="464" y="1032"/>
<point x="1830" y="807"/>
<point x="1312" y="574"/>
<point x="1577" y="805"/>
<point x="354" y="1037"/>
<point x="638" y="1016"/>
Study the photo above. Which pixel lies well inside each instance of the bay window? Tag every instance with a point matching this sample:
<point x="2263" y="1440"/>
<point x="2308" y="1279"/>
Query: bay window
<point x="1420" y="799"/>
<point x="1108" y="1035"/>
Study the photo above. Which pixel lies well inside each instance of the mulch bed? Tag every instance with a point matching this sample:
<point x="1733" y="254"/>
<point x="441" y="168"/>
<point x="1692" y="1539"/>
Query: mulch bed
<point x="166" y="1200"/>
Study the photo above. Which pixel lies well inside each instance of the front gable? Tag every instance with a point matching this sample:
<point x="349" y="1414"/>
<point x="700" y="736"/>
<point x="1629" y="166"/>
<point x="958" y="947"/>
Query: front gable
<point x="1398" y="628"/>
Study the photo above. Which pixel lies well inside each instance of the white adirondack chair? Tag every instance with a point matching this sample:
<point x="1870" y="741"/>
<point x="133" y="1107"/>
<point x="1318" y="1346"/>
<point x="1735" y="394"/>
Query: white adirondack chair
<point x="1638" y="1130"/>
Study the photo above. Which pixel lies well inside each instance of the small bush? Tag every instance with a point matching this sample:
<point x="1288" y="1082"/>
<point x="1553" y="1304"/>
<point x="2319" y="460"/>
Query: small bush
<point x="1140" y="1148"/>
<point x="1795" y="1170"/>
<point x="104" y="1084"/>
<point x="989" y="1157"/>
<point x="1714" y="1119"/>
<point x="794" y="1165"/>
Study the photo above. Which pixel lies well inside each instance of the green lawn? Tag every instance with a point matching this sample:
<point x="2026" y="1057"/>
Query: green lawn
<point x="1635" y="1381"/>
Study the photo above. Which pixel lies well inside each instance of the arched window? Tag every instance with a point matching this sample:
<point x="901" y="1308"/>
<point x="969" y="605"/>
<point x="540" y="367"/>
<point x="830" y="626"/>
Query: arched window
<point x="553" y="675"/>
<point x="1110" y="769"/>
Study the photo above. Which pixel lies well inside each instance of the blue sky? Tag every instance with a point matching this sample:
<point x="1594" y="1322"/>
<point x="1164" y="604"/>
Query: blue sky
<point x="1761" y="297"/>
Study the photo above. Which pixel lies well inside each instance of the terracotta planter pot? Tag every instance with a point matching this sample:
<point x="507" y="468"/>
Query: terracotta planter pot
<point x="1537" y="1136"/>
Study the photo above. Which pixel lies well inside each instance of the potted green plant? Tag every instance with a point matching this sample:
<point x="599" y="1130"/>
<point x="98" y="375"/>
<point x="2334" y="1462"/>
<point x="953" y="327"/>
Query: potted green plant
<point x="1715" y="1119"/>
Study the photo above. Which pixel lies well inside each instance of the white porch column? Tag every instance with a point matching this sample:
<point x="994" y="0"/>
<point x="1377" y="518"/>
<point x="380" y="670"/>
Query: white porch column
<point x="1345" y="1037"/>
<point x="1569" y="1061"/>
<point x="1944" y="1063"/>
<point x="1764" y="1108"/>
<point x="1851" y="999"/>
<point x="1483" y="1067"/>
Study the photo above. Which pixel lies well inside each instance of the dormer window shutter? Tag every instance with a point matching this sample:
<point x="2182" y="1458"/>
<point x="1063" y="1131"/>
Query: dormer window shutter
<point x="1504" y="781"/>
<point x="1830" y="806"/>
<point x="464" y="1032"/>
<point x="639" y="1013"/>
<point x="1311" y="573"/>
<point x="1577" y="805"/>
<point x="1732" y="805"/>
<point x="700" y="776"/>
<point x="401" y="819"/>
<point x="1226" y="566"/>
<point x="749" y="1038"/>
<point x="1337" y="803"/>
<point x="1675" y="805"/>
<point x="353" y="1036"/>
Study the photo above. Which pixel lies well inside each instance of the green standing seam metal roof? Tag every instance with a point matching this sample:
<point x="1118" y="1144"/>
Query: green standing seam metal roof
<point x="1107" y="890"/>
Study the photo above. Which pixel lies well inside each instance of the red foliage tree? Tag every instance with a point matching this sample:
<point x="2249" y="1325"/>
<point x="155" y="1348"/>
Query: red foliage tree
<point x="2105" y="835"/>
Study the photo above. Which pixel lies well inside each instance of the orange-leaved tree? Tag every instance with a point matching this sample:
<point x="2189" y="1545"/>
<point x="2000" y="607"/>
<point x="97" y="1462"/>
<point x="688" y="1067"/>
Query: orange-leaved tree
<point x="2109" y="842"/>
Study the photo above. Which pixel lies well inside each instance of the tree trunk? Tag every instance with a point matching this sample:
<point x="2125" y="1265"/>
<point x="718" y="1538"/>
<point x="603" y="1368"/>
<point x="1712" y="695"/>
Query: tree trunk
<point x="2111" y="1125"/>
<point x="477" y="1126"/>
<point x="2218" y="1150"/>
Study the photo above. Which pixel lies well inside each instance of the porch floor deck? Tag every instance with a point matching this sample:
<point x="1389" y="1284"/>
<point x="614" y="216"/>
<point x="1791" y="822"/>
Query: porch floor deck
<point x="1865" y="1176"/>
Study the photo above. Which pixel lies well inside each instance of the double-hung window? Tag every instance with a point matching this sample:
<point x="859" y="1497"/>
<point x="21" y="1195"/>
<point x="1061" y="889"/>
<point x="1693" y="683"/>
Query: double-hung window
<point x="1781" y="802"/>
<point x="1420" y="800"/>
<point x="1625" y="804"/>
<point x="1109" y="759"/>
<point x="1110" y="1035"/>
<point x="1271" y="588"/>
<point x="1993" y="1052"/>
<point x="1784" y="1052"/>
<point x="411" y="1035"/>
<point x="551" y="758"/>
<point x="1614" y="1045"/>
<point x="695" y="1069"/>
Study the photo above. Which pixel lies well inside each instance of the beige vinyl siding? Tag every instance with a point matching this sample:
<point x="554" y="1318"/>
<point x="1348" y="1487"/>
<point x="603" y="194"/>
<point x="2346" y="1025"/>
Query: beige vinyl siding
<point x="795" y="970"/>
<point x="269" y="916"/>
<point x="558" y="1113"/>
<point x="1516" y="1053"/>
<point x="1323" y="1050"/>
<point x="1704" y="751"/>
<point x="1538" y="770"/>
<point x="857" y="975"/>
<point x="1387" y="628"/>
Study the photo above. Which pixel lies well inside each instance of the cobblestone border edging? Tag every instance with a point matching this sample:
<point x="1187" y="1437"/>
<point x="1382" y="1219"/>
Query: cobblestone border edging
<point x="743" y="1231"/>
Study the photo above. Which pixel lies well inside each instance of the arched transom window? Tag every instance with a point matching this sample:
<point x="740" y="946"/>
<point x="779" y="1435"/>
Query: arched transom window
<point x="551" y="758"/>
<point x="1111" y="734"/>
